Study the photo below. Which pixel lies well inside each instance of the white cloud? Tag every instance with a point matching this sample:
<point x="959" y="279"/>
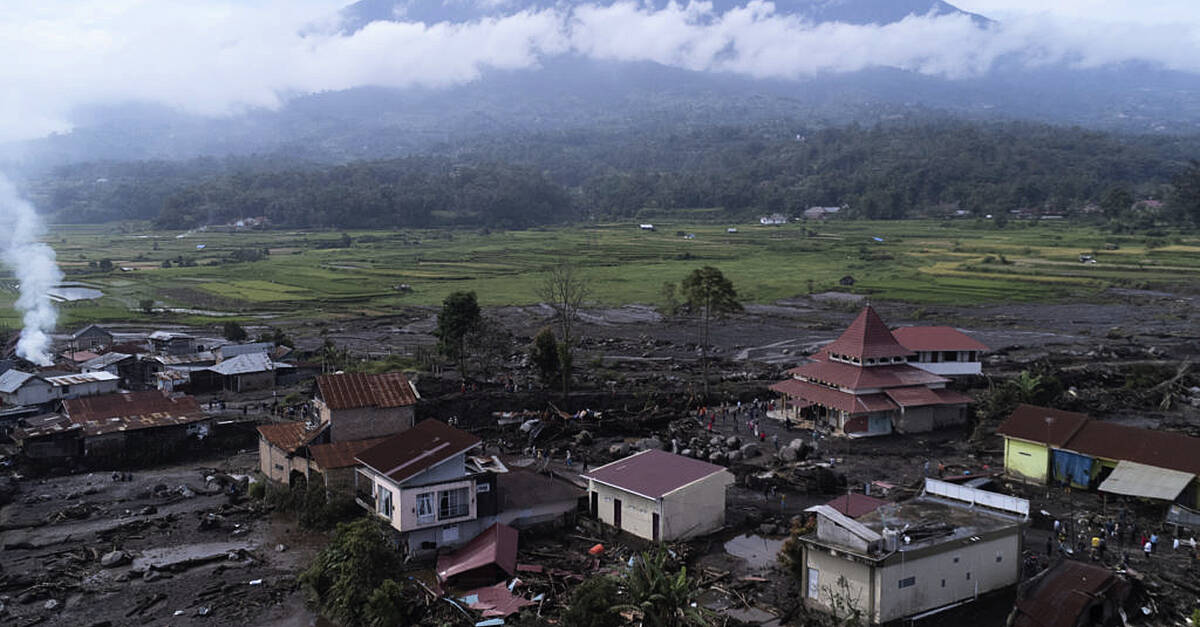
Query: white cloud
<point x="218" y="56"/>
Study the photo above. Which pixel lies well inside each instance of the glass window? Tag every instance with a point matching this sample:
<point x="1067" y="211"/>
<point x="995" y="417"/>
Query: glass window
<point x="453" y="503"/>
<point x="425" y="507"/>
<point x="384" y="504"/>
<point x="908" y="581"/>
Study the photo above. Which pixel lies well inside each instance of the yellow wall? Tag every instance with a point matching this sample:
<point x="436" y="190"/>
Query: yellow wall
<point x="1026" y="460"/>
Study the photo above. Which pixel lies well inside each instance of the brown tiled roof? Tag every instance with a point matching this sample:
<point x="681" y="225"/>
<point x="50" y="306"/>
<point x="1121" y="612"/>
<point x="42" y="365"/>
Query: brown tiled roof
<point x="936" y="339"/>
<point x="406" y="454"/>
<point x="1162" y="449"/>
<point x="654" y="473"/>
<point x="833" y="399"/>
<point x="916" y="396"/>
<point x="1042" y="424"/>
<point x="351" y="391"/>
<point x="867" y="338"/>
<point x="131" y="404"/>
<point x="288" y="436"/>
<point x="855" y="505"/>
<point x="854" y="377"/>
<point x="340" y="454"/>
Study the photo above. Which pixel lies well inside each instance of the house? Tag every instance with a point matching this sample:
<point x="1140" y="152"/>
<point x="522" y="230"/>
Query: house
<point x="119" y="428"/>
<point x="358" y="406"/>
<point x="172" y="343"/>
<point x="417" y="481"/>
<point x="233" y="350"/>
<point x="1109" y="457"/>
<point x="528" y="499"/>
<point x="19" y="388"/>
<point x="123" y="365"/>
<point x="244" y="373"/>
<point x="49" y="439"/>
<point x="90" y="338"/>
<point x="947" y="546"/>
<point x="774" y="219"/>
<point x="862" y="384"/>
<point x="333" y="463"/>
<point x="1069" y="594"/>
<point x="943" y="351"/>
<point x="659" y="496"/>
<point x="846" y="281"/>
<point x="820" y="213"/>
<point x="281" y="456"/>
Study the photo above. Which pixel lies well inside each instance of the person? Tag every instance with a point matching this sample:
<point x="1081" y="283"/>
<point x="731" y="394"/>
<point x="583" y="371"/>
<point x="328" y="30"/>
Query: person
<point x="1147" y="548"/>
<point x="1175" y="544"/>
<point x="927" y="473"/>
<point x="1154" y="542"/>
<point x="568" y="457"/>
<point x="583" y="461"/>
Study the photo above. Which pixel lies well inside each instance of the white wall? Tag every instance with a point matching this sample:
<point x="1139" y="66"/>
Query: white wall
<point x="696" y="509"/>
<point x="952" y="567"/>
<point x="636" y="511"/>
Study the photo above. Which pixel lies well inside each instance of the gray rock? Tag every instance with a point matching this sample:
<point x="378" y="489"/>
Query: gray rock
<point x="797" y="443"/>
<point x="733" y="442"/>
<point x="687" y="452"/>
<point x="788" y="454"/>
<point x="113" y="559"/>
<point x="715" y="441"/>
<point x="716" y="457"/>
<point x="735" y="456"/>
<point x="583" y="438"/>
<point x="151" y="575"/>
<point x="750" y="451"/>
<point x="280" y="548"/>
<point x="52" y="604"/>
<point x="620" y="450"/>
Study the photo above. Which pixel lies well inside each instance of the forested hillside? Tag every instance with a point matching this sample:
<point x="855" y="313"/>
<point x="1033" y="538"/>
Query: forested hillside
<point x="884" y="171"/>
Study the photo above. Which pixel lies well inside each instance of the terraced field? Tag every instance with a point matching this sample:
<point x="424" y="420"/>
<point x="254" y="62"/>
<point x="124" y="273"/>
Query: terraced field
<point x="304" y="275"/>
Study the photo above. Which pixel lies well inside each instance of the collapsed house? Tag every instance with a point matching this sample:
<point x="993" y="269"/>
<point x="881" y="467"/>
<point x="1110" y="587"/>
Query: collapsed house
<point x="1070" y="594"/>
<point x="862" y="384"/>
<point x="114" y="429"/>
<point x="1043" y="445"/>
<point x="945" y="547"/>
<point x="659" y="496"/>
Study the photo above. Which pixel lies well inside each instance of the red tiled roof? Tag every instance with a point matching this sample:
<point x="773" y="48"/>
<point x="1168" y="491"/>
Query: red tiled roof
<point x="406" y="454"/>
<point x="855" y="505"/>
<point x="920" y="396"/>
<point x="856" y="378"/>
<point x="936" y="339"/>
<point x="1042" y="424"/>
<point x="1162" y="449"/>
<point x="834" y="399"/>
<point x="950" y="397"/>
<point x="340" y="454"/>
<point x="867" y="338"/>
<point x="288" y="436"/>
<point x="351" y="391"/>
<point x="653" y="473"/>
<point x="495" y="545"/>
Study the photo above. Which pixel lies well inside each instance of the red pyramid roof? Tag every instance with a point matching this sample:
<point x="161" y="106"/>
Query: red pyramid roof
<point x="867" y="338"/>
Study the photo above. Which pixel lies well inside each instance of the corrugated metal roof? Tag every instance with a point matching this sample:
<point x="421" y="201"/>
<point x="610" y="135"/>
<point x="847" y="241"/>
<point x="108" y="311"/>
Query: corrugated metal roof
<point x="936" y="339"/>
<point x="247" y="364"/>
<point x="44" y="425"/>
<point x="855" y="505"/>
<point x="1060" y="597"/>
<point x="288" y="436"/>
<point x="12" y="380"/>
<point x="406" y="454"/>
<point x="205" y="357"/>
<point x="1162" y="449"/>
<point x="495" y="545"/>
<point x="84" y="377"/>
<point x="104" y="361"/>
<point x="109" y="413"/>
<point x="1042" y="424"/>
<point x="654" y="473"/>
<point x="233" y="350"/>
<point x="89" y="328"/>
<point x="340" y="454"/>
<point x="867" y="338"/>
<point x="1134" y="479"/>
<point x="351" y="391"/>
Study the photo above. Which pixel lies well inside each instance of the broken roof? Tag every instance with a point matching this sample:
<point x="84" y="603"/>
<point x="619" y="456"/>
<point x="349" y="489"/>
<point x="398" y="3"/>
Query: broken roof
<point x="495" y="545"/>
<point x="867" y="338"/>
<point x="351" y="391"/>
<point x="936" y="339"/>
<point x="1134" y="479"/>
<point x="1042" y="424"/>
<point x="855" y="505"/>
<point x="406" y="454"/>
<point x="340" y="454"/>
<point x="522" y="489"/>
<point x="1060" y="596"/>
<point x="653" y="473"/>
<point x="44" y="425"/>
<point x="13" y="379"/>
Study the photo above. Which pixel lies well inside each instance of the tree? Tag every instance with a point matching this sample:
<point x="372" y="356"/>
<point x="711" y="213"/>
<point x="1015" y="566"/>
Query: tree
<point x="712" y="295"/>
<point x="664" y="598"/>
<point x="459" y="318"/>
<point x="670" y="297"/>
<point x="592" y="603"/>
<point x="565" y="290"/>
<point x="1116" y="201"/>
<point x="106" y="265"/>
<point x="234" y="332"/>
<point x="543" y="354"/>
<point x="353" y="566"/>
<point x="146" y="304"/>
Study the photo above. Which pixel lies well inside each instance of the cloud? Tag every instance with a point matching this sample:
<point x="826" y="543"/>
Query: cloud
<point x="222" y="56"/>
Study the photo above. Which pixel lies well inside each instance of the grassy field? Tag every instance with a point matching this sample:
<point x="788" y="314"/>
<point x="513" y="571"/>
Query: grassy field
<point x="959" y="262"/>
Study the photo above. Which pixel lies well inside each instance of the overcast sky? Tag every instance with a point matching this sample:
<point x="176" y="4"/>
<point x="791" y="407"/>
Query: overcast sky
<point x="221" y="56"/>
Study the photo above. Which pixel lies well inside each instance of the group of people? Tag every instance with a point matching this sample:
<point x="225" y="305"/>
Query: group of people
<point x="749" y="414"/>
<point x="1098" y="538"/>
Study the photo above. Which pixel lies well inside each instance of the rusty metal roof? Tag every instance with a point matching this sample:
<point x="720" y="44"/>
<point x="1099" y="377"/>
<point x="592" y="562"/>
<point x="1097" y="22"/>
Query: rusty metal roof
<point x="340" y="454"/>
<point x="1063" y="594"/>
<point x="936" y="339"/>
<point x="495" y="545"/>
<point x="653" y="474"/>
<point x="289" y="436"/>
<point x="109" y="413"/>
<point x="404" y="455"/>
<point x="44" y="425"/>
<point x="351" y="391"/>
<point x="1042" y="424"/>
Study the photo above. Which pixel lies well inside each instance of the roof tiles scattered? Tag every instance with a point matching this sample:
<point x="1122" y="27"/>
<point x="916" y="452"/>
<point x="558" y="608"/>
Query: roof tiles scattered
<point x="867" y="338"/>
<point x="351" y="391"/>
<point x="404" y="455"/>
<point x="653" y="473"/>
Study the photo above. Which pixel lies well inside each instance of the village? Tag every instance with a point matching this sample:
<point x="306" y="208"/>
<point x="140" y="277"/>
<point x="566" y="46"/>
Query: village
<point x="853" y="464"/>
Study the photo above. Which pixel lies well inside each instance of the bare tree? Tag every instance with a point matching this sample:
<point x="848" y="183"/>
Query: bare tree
<point x="564" y="289"/>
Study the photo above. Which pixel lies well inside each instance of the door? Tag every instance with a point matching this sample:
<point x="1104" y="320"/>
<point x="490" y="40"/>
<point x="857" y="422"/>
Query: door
<point x="814" y="586"/>
<point x="595" y="509"/>
<point x="654" y="521"/>
<point x="617" y="513"/>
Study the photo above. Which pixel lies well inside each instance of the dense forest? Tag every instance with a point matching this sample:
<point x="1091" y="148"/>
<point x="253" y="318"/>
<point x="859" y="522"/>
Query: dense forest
<point x="883" y="171"/>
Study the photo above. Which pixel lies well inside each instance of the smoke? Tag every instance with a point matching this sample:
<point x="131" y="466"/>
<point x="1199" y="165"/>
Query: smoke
<point x="33" y="264"/>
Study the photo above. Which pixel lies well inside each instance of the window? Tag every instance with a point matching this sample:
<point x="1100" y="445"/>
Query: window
<point x="943" y="583"/>
<point x="999" y="558"/>
<point x="950" y="356"/>
<point x="483" y="487"/>
<point x="425" y="512"/>
<point x="956" y="560"/>
<point x="453" y="503"/>
<point x="968" y="575"/>
<point x="908" y="581"/>
<point x="384" y="504"/>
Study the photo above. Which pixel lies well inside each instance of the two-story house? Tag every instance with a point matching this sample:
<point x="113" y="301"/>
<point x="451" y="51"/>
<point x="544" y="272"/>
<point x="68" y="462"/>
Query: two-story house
<point x="418" y="481"/>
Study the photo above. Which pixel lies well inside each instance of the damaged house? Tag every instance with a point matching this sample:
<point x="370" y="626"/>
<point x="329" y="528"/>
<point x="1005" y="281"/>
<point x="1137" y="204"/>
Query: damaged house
<point x="947" y="546"/>
<point x="862" y="384"/>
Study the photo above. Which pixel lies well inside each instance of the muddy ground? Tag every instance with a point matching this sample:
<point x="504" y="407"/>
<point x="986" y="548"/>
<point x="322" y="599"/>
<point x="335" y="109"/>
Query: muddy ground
<point x="639" y="373"/>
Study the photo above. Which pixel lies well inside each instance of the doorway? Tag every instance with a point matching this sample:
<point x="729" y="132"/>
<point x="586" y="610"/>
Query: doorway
<point x="594" y="510"/>
<point x="617" y="513"/>
<point x="654" y="521"/>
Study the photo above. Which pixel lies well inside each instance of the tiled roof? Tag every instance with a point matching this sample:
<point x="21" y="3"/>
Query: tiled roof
<point x="340" y="454"/>
<point x="109" y="413"/>
<point x="936" y="339"/>
<point x="351" y="391"/>
<point x="288" y="436"/>
<point x="653" y="473"/>
<point x="1042" y="424"/>
<point x="855" y="505"/>
<point x="834" y="399"/>
<point x="920" y="396"/>
<point x="430" y="442"/>
<point x="867" y="338"/>
<point x="854" y="377"/>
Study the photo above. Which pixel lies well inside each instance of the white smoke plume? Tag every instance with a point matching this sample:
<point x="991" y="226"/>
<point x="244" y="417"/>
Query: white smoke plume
<point x="33" y="264"/>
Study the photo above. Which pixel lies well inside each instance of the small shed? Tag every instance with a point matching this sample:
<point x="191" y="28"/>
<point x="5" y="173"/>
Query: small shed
<point x="660" y="496"/>
<point x="846" y="281"/>
<point x="91" y="337"/>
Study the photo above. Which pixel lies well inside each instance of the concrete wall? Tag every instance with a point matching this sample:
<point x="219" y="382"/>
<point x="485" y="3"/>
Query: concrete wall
<point x="34" y="392"/>
<point x="636" y="511"/>
<point x="364" y="422"/>
<point x="696" y="509"/>
<point x="947" y="577"/>
<point x="404" y="516"/>
<point x="914" y="420"/>
<point x="1026" y="460"/>
<point x="859" y="592"/>
<point x="250" y="381"/>
<point x="277" y="466"/>
<point x="949" y="416"/>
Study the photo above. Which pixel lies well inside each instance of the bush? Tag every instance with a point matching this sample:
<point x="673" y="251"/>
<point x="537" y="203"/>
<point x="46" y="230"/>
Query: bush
<point x="257" y="490"/>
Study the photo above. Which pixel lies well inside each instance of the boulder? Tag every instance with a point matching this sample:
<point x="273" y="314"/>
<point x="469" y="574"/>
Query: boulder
<point x="715" y="441"/>
<point x="52" y="604"/>
<point x="733" y="442"/>
<point x="750" y="450"/>
<point x="620" y="450"/>
<point x="797" y="443"/>
<point x="113" y="559"/>
<point x="716" y="457"/>
<point x="788" y="454"/>
<point x="583" y="438"/>
<point x="687" y="452"/>
<point x="650" y="444"/>
<point x="735" y="456"/>
<point x="151" y="575"/>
